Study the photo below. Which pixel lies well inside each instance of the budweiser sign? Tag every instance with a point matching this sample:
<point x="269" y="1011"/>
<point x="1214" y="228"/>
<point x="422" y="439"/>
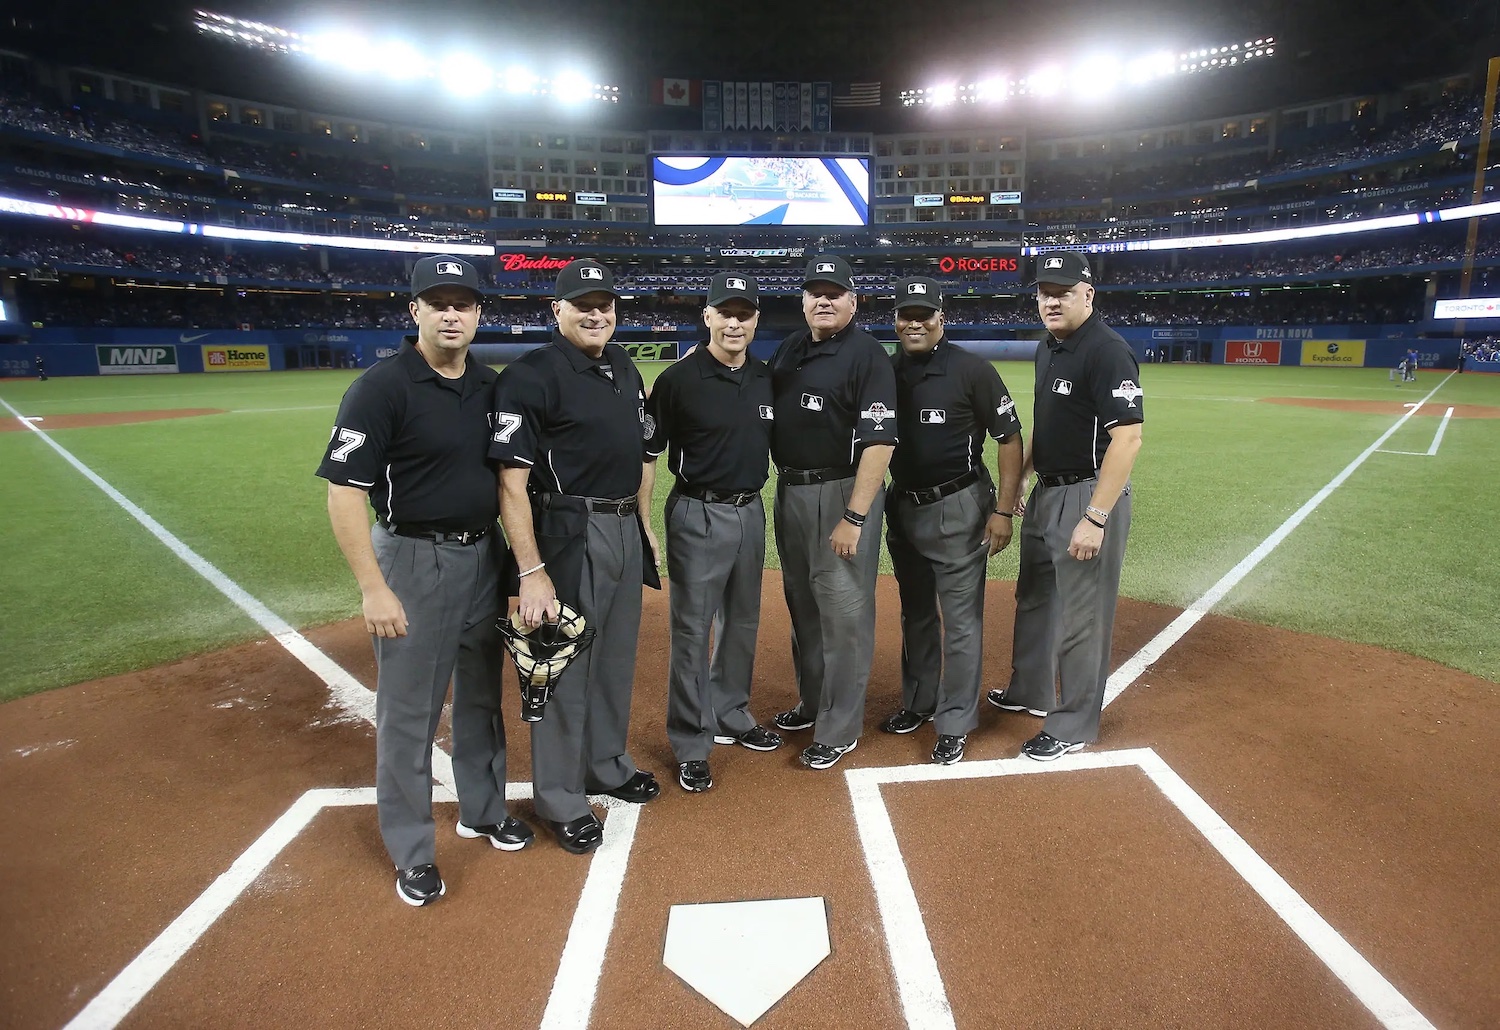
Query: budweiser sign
<point x="528" y="263"/>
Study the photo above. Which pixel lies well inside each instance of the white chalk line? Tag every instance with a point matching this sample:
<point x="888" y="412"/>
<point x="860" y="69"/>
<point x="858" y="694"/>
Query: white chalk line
<point x="1437" y="439"/>
<point x="924" y="999"/>
<point x="1138" y="663"/>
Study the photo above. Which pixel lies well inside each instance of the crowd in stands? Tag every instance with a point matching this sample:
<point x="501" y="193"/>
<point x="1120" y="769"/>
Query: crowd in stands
<point x="1487" y="349"/>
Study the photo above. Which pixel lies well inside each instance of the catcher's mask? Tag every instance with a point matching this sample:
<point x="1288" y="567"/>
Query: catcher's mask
<point x="543" y="653"/>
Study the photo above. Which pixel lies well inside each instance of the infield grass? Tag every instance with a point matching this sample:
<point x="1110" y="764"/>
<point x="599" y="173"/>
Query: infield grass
<point x="1401" y="555"/>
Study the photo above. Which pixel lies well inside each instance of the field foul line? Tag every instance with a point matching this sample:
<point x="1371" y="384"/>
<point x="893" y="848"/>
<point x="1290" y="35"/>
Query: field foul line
<point x="347" y="692"/>
<point x="1138" y="663"/>
<point x="582" y="961"/>
<point x="924" y="999"/>
<point x="1437" y="439"/>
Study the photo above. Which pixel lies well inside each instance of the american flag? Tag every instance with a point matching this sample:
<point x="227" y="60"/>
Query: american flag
<point x="856" y="94"/>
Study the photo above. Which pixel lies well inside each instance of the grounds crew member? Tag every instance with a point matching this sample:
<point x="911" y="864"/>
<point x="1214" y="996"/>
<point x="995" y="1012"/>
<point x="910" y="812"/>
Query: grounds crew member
<point x="411" y="442"/>
<point x="833" y="432"/>
<point x="942" y="520"/>
<point x="570" y="439"/>
<point x="1085" y="435"/>
<point x="712" y="413"/>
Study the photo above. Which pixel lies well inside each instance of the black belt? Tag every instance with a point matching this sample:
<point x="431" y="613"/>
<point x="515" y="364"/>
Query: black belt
<point x="738" y="498"/>
<point x="1066" y="479"/>
<point x="802" y="477"/>
<point x="621" y="506"/>
<point x="417" y="531"/>
<point x="928" y="494"/>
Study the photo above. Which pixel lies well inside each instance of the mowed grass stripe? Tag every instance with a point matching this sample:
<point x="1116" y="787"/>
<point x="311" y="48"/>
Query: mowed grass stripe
<point x="1217" y="475"/>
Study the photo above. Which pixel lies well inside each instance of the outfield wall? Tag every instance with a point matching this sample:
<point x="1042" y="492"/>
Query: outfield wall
<point x="105" y="351"/>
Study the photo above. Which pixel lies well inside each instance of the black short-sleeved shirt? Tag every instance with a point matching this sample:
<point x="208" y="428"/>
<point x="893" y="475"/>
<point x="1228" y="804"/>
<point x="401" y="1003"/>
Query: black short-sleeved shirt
<point x="832" y="399"/>
<point x="946" y="402"/>
<point x="577" y="423"/>
<point x="715" y="420"/>
<point x="418" y="443"/>
<point x="1085" y="386"/>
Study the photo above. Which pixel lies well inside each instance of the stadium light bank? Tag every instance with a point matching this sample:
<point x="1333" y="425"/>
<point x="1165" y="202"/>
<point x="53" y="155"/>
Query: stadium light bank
<point x="1103" y="72"/>
<point x="466" y="75"/>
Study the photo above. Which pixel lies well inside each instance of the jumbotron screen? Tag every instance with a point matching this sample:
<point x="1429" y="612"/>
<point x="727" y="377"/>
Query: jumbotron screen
<point x="768" y="189"/>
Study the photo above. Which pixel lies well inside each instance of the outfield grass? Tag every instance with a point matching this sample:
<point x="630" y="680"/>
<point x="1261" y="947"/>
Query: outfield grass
<point x="1402" y="555"/>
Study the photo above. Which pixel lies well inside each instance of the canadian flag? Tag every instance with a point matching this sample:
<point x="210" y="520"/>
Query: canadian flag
<point x="677" y="92"/>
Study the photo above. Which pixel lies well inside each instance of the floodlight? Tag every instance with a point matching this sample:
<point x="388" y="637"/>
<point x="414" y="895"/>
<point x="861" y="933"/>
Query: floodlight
<point x="992" y="89"/>
<point x="571" y="87"/>
<point x="940" y="95"/>
<point x="519" y="79"/>
<point x="398" y="59"/>
<point x="1103" y="73"/>
<point x="465" y="75"/>
<point x="1046" y="81"/>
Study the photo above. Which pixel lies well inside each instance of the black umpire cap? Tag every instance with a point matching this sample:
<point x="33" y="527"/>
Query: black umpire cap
<point x="443" y="270"/>
<point x="583" y="276"/>
<point x="918" y="291"/>
<point x="733" y="286"/>
<point x="1064" y="268"/>
<point x="827" y="268"/>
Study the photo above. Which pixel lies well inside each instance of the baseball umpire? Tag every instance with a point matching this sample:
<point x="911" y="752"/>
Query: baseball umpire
<point x="570" y="437"/>
<point x="1085" y="435"/>
<point x="832" y="436"/>
<point x="942" y="520"/>
<point x="713" y="410"/>
<point x="410" y="441"/>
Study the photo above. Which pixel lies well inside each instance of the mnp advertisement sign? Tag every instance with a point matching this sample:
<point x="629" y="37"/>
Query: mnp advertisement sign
<point x="245" y="358"/>
<point x="1333" y="353"/>
<point x="134" y="361"/>
<point x="1252" y="352"/>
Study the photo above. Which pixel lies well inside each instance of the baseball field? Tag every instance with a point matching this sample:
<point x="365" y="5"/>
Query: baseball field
<point x="1400" y="555"/>
<point x="1289" y="819"/>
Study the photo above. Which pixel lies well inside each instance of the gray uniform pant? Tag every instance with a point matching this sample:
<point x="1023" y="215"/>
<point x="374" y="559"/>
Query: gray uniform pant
<point x="451" y="596"/>
<point x="1065" y="611"/>
<point x="579" y="746"/>
<point x="939" y="554"/>
<point x="832" y="603"/>
<point x="716" y="554"/>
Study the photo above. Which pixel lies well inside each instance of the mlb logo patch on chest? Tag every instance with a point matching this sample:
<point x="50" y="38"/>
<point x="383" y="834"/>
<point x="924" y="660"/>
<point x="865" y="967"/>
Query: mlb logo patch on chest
<point x="933" y="416"/>
<point x="767" y="412"/>
<point x="1062" y="387"/>
<point x="812" y="402"/>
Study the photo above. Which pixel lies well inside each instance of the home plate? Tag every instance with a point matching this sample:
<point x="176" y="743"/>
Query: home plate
<point x="744" y="956"/>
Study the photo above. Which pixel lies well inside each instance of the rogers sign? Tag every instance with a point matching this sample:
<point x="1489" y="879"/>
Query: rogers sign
<point x="527" y="263"/>
<point x="979" y="264"/>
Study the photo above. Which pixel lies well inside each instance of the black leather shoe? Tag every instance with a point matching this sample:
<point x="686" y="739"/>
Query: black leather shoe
<point x="579" y="836"/>
<point x="903" y="721"/>
<point x="1044" y="747"/>
<point x="949" y="749"/>
<point x="694" y="777"/>
<point x="510" y="835"/>
<point x="638" y="790"/>
<point x="1001" y="700"/>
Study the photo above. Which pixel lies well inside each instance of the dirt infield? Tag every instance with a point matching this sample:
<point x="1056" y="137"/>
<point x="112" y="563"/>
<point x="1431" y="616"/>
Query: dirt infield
<point x="1365" y="778"/>
<point x="104" y="418"/>
<point x="1387" y="407"/>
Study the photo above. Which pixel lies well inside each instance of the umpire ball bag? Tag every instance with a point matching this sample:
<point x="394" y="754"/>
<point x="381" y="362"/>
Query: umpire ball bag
<point x="541" y="654"/>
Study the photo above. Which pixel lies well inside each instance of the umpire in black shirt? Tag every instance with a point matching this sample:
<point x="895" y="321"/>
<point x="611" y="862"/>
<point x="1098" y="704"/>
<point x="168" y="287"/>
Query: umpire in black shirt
<point x="834" y="429"/>
<point x="942" y="520"/>
<point x="1085" y="435"/>
<point x="570" y="437"/>
<point x="712" y="412"/>
<point x="410" y="441"/>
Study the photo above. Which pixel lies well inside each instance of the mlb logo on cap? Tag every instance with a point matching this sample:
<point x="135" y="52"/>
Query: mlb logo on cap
<point x="1053" y="263"/>
<point x="1065" y="269"/>
<point x="826" y="266"/>
<point x="734" y="283"/>
<point x="583" y="276"/>
<point x="449" y="268"/>
<point x="916" y="288"/>
<point x="443" y="270"/>
<point x="590" y="272"/>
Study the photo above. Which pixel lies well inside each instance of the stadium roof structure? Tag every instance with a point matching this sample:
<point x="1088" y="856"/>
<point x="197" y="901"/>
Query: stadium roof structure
<point x="1326" y="47"/>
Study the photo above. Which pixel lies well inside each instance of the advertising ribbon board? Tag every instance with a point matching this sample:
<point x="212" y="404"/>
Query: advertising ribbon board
<point x="247" y="358"/>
